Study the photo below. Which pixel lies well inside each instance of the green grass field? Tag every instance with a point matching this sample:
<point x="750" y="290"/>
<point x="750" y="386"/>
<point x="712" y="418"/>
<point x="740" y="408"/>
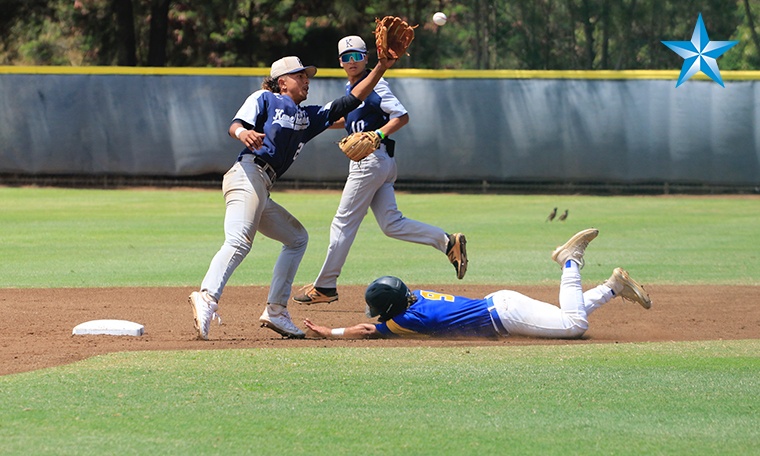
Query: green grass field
<point x="89" y="238"/>
<point x="655" y="398"/>
<point x="675" y="398"/>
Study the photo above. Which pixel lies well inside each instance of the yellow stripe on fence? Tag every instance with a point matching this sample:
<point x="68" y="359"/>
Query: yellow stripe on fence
<point x="395" y="73"/>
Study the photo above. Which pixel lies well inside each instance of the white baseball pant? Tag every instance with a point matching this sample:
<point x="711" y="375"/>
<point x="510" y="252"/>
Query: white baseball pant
<point x="525" y="316"/>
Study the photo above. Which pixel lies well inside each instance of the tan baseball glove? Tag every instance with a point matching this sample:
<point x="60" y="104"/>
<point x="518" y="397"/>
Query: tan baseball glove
<point x="392" y="37"/>
<point x="357" y="146"/>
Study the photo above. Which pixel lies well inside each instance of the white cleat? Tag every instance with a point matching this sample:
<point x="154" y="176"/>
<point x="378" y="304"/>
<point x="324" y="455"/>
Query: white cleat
<point x="204" y="310"/>
<point x="281" y="323"/>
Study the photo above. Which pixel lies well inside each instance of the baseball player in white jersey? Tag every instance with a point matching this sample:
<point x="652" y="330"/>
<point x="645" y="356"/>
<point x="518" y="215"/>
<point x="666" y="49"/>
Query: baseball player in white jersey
<point x="273" y="127"/>
<point x="370" y="183"/>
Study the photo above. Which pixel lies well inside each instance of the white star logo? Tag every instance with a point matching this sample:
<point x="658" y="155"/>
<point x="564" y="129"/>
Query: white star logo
<point x="700" y="54"/>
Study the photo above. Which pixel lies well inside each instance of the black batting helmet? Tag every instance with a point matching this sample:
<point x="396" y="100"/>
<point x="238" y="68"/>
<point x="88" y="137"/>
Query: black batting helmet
<point x="387" y="297"/>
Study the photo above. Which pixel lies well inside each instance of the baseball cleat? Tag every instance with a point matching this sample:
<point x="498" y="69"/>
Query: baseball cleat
<point x="281" y="324"/>
<point x="310" y="295"/>
<point x="457" y="253"/>
<point x="204" y="310"/>
<point x="627" y="288"/>
<point x="574" y="248"/>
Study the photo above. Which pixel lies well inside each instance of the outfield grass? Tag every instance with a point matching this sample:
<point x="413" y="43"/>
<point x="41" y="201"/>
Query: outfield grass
<point x="91" y="238"/>
<point x="657" y="398"/>
<point x="672" y="398"/>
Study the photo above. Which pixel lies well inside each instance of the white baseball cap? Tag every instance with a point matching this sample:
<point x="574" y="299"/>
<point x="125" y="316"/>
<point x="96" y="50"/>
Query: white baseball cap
<point x="289" y="65"/>
<point x="351" y="43"/>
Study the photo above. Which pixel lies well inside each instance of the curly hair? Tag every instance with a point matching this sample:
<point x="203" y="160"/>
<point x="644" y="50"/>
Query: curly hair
<point x="270" y="84"/>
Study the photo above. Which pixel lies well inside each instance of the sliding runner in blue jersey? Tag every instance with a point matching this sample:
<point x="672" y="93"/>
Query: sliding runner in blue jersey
<point x="273" y="127"/>
<point x="422" y="313"/>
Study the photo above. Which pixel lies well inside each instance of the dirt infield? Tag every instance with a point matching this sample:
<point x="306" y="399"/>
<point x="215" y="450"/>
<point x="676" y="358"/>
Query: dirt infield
<point x="36" y="328"/>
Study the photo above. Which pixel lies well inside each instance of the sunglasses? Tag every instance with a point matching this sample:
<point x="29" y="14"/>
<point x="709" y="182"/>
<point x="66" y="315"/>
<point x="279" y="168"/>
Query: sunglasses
<point x="355" y="56"/>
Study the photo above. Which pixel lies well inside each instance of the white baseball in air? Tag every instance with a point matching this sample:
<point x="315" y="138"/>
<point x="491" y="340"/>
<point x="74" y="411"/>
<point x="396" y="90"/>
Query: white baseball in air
<point x="439" y="18"/>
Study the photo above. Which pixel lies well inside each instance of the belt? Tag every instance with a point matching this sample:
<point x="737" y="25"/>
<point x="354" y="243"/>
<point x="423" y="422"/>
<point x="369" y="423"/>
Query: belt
<point x="266" y="167"/>
<point x="497" y="321"/>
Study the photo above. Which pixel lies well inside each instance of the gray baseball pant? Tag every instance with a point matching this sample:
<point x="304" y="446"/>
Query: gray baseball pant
<point x="249" y="209"/>
<point x="370" y="185"/>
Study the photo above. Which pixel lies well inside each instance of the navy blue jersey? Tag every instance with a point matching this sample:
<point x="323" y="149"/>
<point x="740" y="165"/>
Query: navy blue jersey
<point x="379" y="107"/>
<point x="287" y="126"/>
<point x="441" y="315"/>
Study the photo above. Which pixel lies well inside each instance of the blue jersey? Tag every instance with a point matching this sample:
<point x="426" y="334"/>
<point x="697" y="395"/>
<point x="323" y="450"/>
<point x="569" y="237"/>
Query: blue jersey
<point x="441" y="315"/>
<point x="287" y="126"/>
<point x="379" y="107"/>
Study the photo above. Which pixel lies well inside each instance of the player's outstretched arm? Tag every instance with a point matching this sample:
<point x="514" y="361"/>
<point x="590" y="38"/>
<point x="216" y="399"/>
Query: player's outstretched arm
<point x="367" y="85"/>
<point x="345" y="104"/>
<point x="360" y="331"/>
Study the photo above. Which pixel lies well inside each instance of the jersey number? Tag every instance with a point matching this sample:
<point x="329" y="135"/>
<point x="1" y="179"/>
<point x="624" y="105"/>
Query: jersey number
<point x="357" y="126"/>
<point x="298" y="151"/>
<point x="433" y="296"/>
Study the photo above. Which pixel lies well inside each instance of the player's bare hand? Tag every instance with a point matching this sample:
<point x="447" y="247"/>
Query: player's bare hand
<point x="315" y="331"/>
<point x="252" y="139"/>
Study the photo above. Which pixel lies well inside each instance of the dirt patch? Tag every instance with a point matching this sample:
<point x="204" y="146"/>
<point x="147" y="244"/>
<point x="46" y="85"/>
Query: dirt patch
<point x="36" y="328"/>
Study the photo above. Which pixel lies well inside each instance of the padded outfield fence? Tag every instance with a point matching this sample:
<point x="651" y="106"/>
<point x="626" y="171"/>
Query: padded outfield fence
<point x="470" y="131"/>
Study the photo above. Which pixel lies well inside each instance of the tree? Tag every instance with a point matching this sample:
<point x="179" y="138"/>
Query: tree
<point x="126" y="46"/>
<point x="159" y="28"/>
<point x="480" y="34"/>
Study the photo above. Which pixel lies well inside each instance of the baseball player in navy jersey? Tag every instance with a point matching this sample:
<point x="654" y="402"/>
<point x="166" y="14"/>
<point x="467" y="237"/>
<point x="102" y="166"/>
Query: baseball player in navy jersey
<point x="273" y="127"/>
<point x="421" y="313"/>
<point x="370" y="183"/>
